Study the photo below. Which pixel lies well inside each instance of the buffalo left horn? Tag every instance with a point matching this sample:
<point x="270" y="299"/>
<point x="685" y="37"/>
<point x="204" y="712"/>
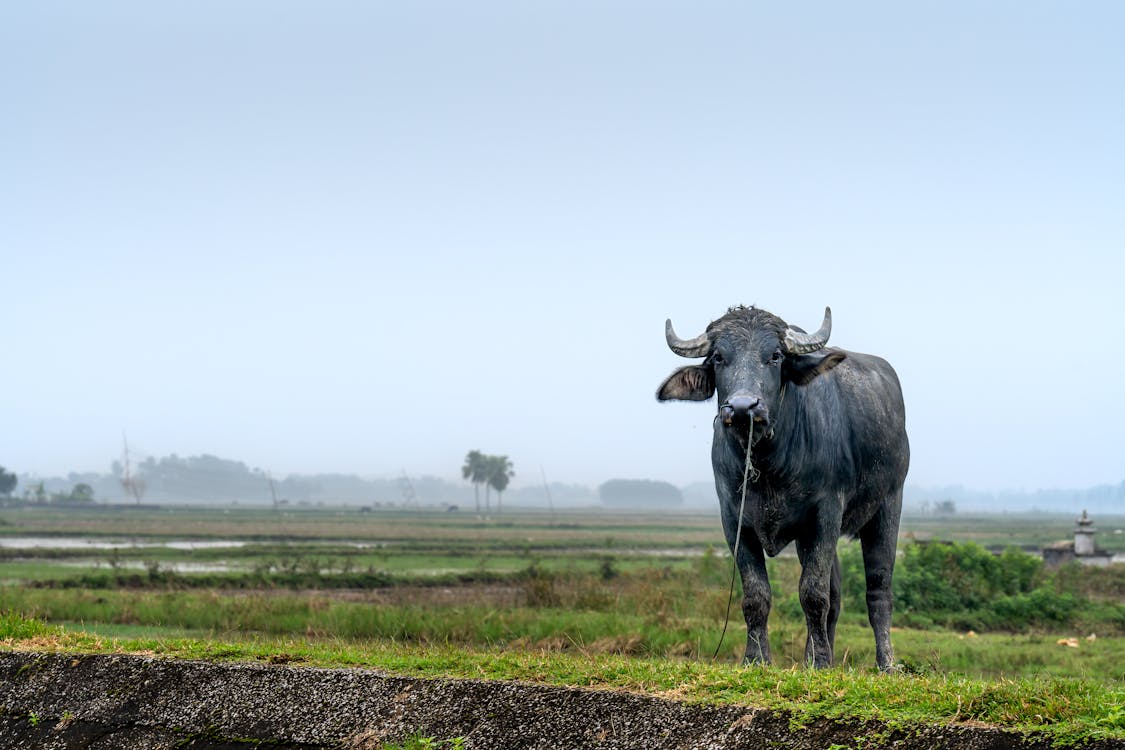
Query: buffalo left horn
<point x="797" y="342"/>
<point x="699" y="346"/>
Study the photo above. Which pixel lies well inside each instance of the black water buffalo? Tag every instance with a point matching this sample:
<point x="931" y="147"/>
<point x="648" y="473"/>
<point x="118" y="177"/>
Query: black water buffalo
<point x="826" y="435"/>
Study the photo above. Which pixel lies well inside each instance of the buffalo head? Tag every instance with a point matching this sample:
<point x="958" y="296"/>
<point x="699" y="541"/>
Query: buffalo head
<point x="748" y="357"/>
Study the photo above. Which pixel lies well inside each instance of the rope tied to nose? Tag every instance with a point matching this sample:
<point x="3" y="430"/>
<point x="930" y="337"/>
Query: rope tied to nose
<point x="749" y="474"/>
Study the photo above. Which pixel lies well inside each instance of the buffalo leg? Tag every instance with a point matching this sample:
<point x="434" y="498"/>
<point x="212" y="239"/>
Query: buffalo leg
<point x="878" y="540"/>
<point x="751" y="563"/>
<point x="755" y="600"/>
<point x="819" y="587"/>
<point x="834" y="602"/>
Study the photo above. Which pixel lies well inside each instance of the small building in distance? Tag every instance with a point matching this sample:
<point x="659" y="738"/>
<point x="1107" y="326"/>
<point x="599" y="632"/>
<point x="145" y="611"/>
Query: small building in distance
<point x="1082" y="549"/>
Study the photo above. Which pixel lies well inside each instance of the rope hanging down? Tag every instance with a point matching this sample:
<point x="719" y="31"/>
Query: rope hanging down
<point x="748" y="473"/>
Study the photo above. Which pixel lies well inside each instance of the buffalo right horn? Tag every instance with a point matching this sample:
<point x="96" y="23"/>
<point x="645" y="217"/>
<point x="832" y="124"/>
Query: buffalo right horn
<point x="797" y="342"/>
<point x="699" y="346"/>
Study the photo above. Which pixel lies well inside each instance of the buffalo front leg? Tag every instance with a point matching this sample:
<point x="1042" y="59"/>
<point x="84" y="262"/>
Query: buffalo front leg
<point x="878" y="539"/>
<point x="751" y="563"/>
<point x="755" y="599"/>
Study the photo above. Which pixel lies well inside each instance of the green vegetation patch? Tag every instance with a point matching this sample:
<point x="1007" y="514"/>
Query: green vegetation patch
<point x="588" y="599"/>
<point x="1066" y="711"/>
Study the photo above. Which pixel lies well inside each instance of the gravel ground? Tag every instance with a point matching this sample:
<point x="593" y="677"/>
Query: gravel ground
<point x="97" y="702"/>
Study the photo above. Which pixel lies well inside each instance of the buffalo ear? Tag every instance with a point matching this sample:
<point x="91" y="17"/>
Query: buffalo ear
<point x="695" y="383"/>
<point x="802" y="368"/>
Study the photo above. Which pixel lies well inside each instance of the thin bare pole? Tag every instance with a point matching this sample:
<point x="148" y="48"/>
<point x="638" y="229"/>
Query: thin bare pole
<point x="547" y="489"/>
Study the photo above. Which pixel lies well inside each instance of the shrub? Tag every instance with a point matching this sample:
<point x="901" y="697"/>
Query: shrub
<point x="951" y="576"/>
<point x="1039" y="607"/>
<point x="963" y="586"/>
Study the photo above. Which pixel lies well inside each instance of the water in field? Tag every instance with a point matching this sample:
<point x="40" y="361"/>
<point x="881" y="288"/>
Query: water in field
<point x="71" y="543"/>
<point x="174" y="566"/>
<point x="41" y="552"/>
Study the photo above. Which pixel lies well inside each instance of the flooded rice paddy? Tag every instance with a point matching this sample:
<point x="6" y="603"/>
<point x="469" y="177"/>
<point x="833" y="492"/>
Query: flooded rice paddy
<point x="80" y="543"/>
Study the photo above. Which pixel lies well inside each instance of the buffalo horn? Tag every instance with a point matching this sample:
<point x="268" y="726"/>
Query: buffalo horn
<point x="696" y="347"/>
<point x="797" y="342"/>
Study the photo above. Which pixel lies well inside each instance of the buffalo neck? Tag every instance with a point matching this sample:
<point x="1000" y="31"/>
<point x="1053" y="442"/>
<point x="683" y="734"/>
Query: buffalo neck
<point x="795" y="451"/>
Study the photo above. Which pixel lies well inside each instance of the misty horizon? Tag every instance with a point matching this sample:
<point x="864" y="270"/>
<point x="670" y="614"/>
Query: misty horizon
<point x="453" y="474"/>
<point x="452" y="487"/>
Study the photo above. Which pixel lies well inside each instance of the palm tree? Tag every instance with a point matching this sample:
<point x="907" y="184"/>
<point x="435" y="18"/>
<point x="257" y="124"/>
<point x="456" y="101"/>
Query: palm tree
<point x="473" y="470"/>
<point x="500" y="472"/>
<point x="8" y="482"/>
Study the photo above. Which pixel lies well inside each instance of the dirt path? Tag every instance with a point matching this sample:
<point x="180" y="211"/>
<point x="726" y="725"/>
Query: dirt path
<point x="66" y="702"/>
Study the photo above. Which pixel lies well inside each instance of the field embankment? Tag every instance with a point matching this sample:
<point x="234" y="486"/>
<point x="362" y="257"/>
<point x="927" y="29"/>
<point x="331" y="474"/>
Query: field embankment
<point x="65" y="701"/>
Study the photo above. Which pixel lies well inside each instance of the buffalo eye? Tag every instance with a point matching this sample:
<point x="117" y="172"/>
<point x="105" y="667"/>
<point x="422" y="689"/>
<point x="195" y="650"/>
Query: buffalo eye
<point x="717" y="359"/>
<point x="776" y="357"/>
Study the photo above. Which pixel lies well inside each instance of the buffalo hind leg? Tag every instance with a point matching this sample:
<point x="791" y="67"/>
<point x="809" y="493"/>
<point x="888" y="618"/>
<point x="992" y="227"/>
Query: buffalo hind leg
<point x="816" y="601"/>
<point x="878" y="540"/>
<point x="820" y="583"/>
<point x="834" y="602"/>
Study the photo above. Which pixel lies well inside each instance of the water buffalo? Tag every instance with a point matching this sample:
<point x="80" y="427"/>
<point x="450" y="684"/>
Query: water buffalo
<point x="825" y="430"/>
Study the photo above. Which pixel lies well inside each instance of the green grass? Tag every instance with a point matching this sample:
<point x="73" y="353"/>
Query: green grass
<point x="513" y="529"/>
<point x="426" y="743"/>
<point x="623" y="616"/>
<point x="587" y="599"/>
<point x="1064" y="710"/>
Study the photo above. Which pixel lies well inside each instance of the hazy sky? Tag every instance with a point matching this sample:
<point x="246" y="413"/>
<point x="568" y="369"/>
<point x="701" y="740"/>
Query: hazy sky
<point x="369" y="236"/>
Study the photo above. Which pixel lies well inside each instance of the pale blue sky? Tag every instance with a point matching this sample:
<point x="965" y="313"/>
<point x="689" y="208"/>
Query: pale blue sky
<point x="364" y="237"/>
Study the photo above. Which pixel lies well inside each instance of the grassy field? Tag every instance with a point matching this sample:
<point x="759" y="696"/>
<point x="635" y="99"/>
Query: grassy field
<point x="512" y="529"/>
<point x="595" y="597"/>
<point x="1030" y="530"/>
<point x="1067" y="711"/>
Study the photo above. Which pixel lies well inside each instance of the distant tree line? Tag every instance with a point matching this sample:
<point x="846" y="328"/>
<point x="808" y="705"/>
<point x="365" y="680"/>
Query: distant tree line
<point x="647" y="493"/>
<point x="493" y="472"/>
<point x="8" y="482"/>
<point x="945" y="507"/>
<point x="204" y="477"/>
<point x="1105" y="498"/>
<point x="37" y="494"/>
<point x="211" y="480"/>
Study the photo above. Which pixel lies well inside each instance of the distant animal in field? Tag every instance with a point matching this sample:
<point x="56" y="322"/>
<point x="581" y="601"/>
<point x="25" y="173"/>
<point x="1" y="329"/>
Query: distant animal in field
<point x="825" y="430"/>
